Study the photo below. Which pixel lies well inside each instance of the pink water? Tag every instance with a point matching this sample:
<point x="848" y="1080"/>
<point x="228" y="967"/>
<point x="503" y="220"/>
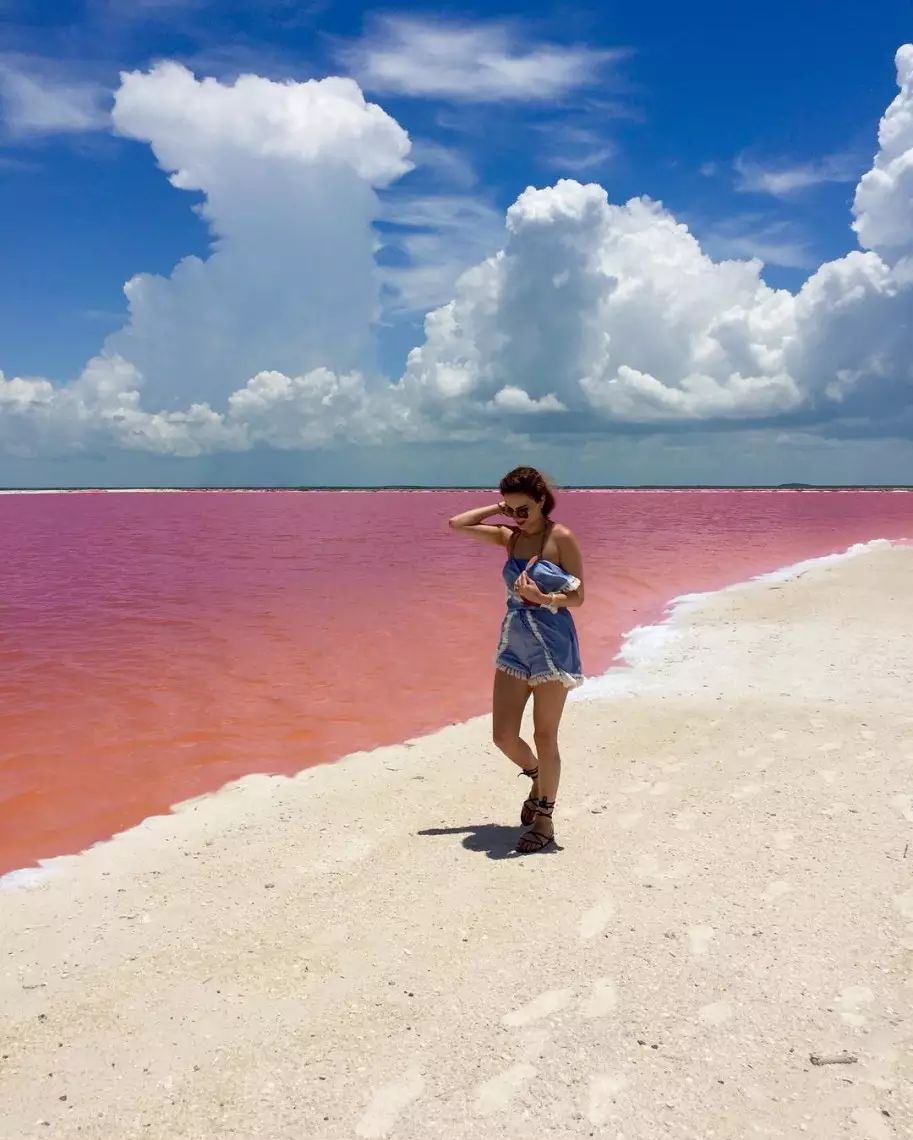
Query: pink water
<point x="153" y="647"/>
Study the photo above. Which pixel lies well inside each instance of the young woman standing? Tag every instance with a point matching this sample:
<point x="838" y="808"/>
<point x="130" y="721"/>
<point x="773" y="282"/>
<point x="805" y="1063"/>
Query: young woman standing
<point x="538" y="651"/>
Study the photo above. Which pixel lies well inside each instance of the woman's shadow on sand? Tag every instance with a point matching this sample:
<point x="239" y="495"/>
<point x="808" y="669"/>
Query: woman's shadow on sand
<point x="495" y="840"/>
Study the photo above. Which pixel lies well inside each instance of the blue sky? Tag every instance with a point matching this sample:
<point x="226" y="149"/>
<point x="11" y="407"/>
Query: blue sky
<point x="752" y="124"/>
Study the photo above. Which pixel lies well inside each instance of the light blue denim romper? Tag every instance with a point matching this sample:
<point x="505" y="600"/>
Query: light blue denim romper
<point x="537" y="645"/>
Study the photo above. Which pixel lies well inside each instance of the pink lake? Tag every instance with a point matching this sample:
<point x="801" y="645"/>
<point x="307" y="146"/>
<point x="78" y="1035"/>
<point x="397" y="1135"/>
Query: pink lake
<point x="156" y="646"/>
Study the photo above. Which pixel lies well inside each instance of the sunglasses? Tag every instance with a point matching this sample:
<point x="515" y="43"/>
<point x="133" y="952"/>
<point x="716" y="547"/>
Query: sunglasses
<point x="517" y="512"/>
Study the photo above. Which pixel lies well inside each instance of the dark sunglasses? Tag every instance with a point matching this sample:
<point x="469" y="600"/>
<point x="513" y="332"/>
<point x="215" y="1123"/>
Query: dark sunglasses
<point x="517" y="512"/>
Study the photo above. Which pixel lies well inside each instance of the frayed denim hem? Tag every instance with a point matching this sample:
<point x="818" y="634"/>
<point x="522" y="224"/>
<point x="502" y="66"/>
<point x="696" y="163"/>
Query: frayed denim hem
<point x="569" y="680"/>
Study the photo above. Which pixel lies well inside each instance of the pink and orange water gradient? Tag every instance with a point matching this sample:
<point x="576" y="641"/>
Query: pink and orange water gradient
<point x="155" y="646"/>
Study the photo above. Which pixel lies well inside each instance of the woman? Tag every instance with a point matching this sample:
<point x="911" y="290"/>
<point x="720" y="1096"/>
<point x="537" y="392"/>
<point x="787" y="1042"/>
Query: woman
<point x="538" y="650"/>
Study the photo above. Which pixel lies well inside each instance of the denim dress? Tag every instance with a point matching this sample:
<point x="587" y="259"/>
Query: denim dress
<point x="537" y="645"/>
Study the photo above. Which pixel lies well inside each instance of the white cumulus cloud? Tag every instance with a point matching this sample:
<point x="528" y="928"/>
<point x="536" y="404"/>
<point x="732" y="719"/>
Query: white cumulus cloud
<point x="516" y="400"/>
<point x="609" y="308"/>
<point x="289" y="173"/>
<point x="884" y="197"/>
<point x="103" y="408"/>
<point x="618" y="311"/>
<point x="592" y="317"/>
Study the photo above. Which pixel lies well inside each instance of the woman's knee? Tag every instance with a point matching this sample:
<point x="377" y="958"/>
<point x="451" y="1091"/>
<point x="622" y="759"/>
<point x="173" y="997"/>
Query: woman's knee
<point x="546" y="740"/>
<point x="505" y="738"/>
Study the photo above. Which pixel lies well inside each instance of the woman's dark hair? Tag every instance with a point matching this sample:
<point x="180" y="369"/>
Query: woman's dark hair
<point x="529" y="481"/>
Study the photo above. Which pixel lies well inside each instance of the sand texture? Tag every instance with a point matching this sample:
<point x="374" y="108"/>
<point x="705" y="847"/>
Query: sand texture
<point x="355" y="952"/>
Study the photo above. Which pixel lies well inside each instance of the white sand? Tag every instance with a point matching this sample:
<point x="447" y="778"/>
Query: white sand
<point x="351" y="954"/>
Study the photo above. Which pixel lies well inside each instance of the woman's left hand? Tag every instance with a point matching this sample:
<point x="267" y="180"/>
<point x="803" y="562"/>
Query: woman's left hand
<point x="527" y="588"/>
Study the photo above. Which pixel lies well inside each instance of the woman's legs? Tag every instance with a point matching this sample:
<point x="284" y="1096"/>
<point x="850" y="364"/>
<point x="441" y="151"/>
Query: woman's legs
<point x="508" y="702"/>
<point x="548" y="705"/>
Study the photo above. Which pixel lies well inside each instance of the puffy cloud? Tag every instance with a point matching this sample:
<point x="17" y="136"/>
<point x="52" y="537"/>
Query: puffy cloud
<point x="317" y="409"/>
<point x="104" y="407"/>
<point x="468" y="62"/>
<point x="593" y="317"/>
<point x="516" y="400"/>
<point x="884" y="197"/>
<point x="618" y="310"/>
<point x="196" y="127"/>
<point x="853" y="347"/>
<point x="289" y="173"/>
<point x="100" y="409"/>
<point x="609" y="308"/>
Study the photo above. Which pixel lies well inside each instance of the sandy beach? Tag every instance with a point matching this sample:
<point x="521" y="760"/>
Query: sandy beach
<point x="356" y="952"/>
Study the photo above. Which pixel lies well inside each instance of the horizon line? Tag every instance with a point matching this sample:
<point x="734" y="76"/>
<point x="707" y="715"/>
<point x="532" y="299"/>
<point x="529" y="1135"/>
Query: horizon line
<point x="471" y="487"/>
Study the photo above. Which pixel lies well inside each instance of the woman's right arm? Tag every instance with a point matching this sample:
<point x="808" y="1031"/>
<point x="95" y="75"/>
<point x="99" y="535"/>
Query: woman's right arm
<point x="472" y="523"/>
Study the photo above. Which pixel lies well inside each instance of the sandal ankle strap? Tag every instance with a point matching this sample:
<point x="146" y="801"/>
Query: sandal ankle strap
<point x="545" y="807"/>
<point x="532" y="773"/>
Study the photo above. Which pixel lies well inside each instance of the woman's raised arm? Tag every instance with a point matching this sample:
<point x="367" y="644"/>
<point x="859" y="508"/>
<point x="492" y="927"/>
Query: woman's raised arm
<point x="472" y="523"/>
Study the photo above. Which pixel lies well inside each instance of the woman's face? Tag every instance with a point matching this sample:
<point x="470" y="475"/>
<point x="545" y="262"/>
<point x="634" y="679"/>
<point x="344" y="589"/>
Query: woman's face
<point x="524" y="510"/>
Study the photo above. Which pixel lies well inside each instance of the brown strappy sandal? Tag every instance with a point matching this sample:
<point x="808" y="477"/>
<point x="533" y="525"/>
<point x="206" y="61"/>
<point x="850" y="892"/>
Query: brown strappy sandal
<point x="530" y="806"/>
<point x="537" y="840"/>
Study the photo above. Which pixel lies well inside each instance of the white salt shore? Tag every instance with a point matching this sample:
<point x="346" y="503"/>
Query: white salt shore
<point x="355" y="952"/>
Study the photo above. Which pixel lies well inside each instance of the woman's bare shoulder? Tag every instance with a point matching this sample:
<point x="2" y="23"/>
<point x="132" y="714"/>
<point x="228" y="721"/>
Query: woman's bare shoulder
<point x="566" y="542"/>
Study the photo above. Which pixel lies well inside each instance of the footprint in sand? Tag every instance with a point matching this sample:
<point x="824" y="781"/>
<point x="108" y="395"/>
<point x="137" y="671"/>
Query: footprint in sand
<point x="596" y="919"/>
<point x="647" y="867"/>
<point x="535" y="1042"/>
<point x="904" y="904"/>
<point x="835" y="809"/>
<point x="904" y="805"/>
<point x="831" y="746"/>
<point x="746" y="792"/>
<point x="715" y="1013"/>
<point x="387" y="1103"/>
<point x="699" y="938"/>
<point x="674" y="765"/>
<point x="874" y="1124"/>
<point x="777" y="890"/>
<point x="496" y="1094"/>
<point x="779" y="735"/>
<point x="604" y="1088"/>
<point x="849" y="1002"/>
<point x="828" y="775"/>
<point x="542" y="1006"/>
<point x="603" y="1000"/>
<point x="658" y="788"/>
